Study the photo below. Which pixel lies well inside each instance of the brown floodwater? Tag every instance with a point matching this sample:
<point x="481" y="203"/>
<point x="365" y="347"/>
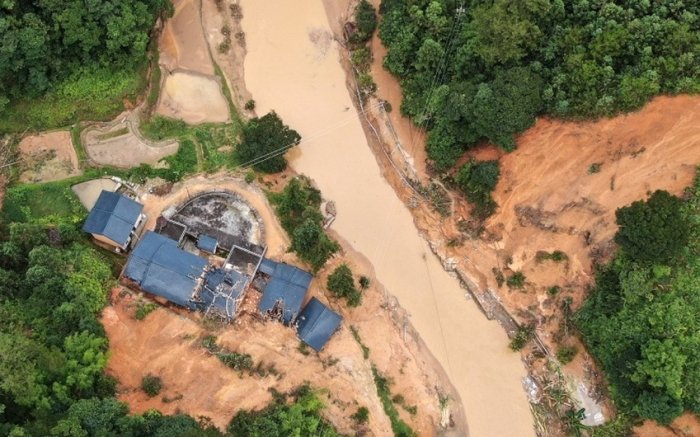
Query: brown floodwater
<point x="292" y="66"/>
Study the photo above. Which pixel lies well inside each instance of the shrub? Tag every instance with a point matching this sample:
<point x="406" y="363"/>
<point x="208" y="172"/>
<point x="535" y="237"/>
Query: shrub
<point x="556" y="256"/>
<point x="298" y="207"/>
<point x="356" y="336"/>
<point x="522" y="336"/>
<point x="151" y="385"/>
<point x="594" y="168"/>
<point x="364" y="282"/>
<point x="249" y="176"/>
<point x="361" y="58"/>
<point x="224" y="46"/>
<point x="361" y="415"/>
<point x="366" y="20"/>
<point x="209" y="343"/>
<point x="477" y="180"/>
<point x="342" y="284"/>
<point x="143" y="309"/>
<point x="366" y="84"/>
<point x="566" y="354"/>
<point x="303" y="348"/>
<point x="516" y="280"/>
<point x="400" y="428"/>
<point x="554" y="290"/>
<point x="236" y="360"/>
<point x="250" y="105"/>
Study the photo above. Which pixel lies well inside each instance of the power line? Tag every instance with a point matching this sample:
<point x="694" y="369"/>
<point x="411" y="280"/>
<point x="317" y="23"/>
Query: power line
<point x="440" y="71"/>
<point x="281" y="150"/>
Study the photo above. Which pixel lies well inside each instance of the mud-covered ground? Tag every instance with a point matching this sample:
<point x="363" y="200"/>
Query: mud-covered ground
<point x="224" y="216"/>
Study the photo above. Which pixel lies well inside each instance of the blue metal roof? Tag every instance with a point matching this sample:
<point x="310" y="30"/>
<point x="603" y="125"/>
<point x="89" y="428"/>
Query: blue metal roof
<point x="317" y="323"/>
<point x="163" y="269"/>
<point x="288" y="285"/>
<point x="207" y="243"/>
<point x="113" y="216"/>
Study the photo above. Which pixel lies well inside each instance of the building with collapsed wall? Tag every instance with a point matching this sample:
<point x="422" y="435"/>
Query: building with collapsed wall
<point x="185" y="265"/>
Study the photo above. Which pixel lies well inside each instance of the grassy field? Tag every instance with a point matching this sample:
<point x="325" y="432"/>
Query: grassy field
<point x="88" y="95"/>
<point x="27" y="202"/>
<point x="208" y="139"/>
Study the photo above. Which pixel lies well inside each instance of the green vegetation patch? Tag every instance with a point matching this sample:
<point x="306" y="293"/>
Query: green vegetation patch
<point x="400" y="428"/>
<point x="206" y="147"/>
<point x="89" y="94"/>
<point x="64" y="62"/>
<point x="28" y="202"/>
<point x="297" y="413"/>
<point x="477" y="179"/>
<point x="642" y="321"/>
<point x="342" y="284"/>
<point x="298" y="207"/>
<point x="264" y="141"/>
<point x="151" y="385"/>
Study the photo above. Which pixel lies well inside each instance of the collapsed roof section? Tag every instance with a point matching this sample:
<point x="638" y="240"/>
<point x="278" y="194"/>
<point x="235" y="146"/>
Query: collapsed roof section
<point x="285" y="291"/>
<point x="222" y="292"/>
<point x="317" y="323"/>
<point x="158" y="266"/>
<point x="113" y="216"/>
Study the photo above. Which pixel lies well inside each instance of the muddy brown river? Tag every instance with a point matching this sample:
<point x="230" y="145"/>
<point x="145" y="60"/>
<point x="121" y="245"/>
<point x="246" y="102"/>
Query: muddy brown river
<point x="292" y="66"/>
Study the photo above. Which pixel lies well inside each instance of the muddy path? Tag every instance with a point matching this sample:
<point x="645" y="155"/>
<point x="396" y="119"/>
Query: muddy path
<point x="292" y="66"/>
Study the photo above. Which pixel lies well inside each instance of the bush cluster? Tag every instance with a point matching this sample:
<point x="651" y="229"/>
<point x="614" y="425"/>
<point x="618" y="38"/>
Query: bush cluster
<point x="342" y="284"/>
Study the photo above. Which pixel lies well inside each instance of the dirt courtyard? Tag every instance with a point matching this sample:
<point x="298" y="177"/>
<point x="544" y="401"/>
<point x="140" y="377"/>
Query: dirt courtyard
<point x="119" y="145"/>
<point x="192" y="98"/>
<point x="48" y="156"/>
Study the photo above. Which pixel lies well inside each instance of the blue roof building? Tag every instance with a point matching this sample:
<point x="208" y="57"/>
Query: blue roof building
<point x="113" y="219"/>
<point x="161" y="268"/>
<point x="317" y="323"/>
<point x="285" y="291"/>
<point x="223" y="291"/>
<point x="207" y="243"/>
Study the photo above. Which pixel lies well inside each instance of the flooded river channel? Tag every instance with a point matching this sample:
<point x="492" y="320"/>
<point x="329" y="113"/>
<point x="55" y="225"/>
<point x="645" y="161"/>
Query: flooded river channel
<point x="292" y="67"/>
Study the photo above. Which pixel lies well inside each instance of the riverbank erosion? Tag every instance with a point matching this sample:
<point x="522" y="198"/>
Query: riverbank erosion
<point x="292" y="66"/>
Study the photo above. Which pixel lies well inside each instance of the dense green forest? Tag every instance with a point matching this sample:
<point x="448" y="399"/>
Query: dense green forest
<point x="59" y="59"/>
<point x="484" y="69"/>
<point x="642" y="321"/>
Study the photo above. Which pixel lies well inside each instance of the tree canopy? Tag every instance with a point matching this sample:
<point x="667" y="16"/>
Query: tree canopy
<point x="477" y="180"/>
<point x="43" y="42"/>
<point x="298" y="207"/>
<point x="655" y="230"/>
<point x="642" y="321"/>
<point x="484" y="69"/>
<point x="265" y="139"/>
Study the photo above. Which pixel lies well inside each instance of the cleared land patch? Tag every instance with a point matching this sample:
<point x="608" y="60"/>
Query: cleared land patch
<point x="192" y="98"/>
<point x="126" y="150"/>
<point x="48" y="157"/>
<point x="182" y="44"/>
